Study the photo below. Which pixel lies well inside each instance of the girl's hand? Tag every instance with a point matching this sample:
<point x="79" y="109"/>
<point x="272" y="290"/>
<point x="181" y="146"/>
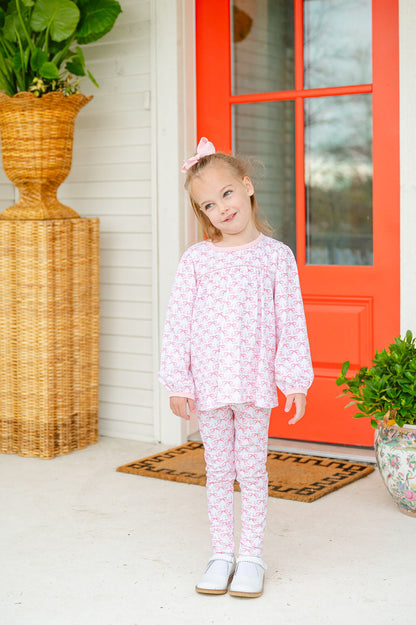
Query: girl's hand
<point x="300" y="403"/>
<point x="178" y="405"/>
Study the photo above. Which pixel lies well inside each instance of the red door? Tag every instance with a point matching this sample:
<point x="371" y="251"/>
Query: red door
<point x="310" y="89"/>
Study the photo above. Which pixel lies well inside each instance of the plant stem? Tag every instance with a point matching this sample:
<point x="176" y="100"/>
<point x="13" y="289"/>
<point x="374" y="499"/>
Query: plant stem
<point x="47" y="37"/>
<point x="21" y="75"/>
<point x="22" y="22"/>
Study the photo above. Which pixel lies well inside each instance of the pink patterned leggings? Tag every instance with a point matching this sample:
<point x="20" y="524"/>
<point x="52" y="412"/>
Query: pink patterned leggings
<point x="235" y="440"/>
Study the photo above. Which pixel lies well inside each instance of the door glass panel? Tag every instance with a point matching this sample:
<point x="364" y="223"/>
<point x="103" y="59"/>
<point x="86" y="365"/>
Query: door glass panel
<point x="265" y="134"/>
<point x="337" y="41"/>
<point x="338" y="180"/>
<point x="262" y="45"/>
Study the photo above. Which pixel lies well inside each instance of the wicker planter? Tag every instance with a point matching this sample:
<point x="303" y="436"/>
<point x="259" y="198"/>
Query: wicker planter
<point x="36" y="144"/>
<point x="49" y="287"/>
<point x="49" y="336"/>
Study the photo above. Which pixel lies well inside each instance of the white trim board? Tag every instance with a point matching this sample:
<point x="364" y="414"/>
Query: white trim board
<point x="173" y="139"/>
<point x="407" y="55"/>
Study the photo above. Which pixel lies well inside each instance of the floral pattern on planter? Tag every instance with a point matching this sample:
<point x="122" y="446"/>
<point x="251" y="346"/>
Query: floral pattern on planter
<point x="396" y="459"/>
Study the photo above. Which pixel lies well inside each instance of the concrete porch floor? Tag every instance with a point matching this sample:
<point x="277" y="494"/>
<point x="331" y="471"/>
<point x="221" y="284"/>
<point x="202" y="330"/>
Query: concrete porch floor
<point x="84" y="545"/>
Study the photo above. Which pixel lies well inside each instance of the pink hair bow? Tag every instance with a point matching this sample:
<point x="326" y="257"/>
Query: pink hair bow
<point x="205" y="148"/>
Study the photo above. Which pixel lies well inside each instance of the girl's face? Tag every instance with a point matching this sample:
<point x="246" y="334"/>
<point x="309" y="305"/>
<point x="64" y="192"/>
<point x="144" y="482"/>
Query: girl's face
<point x="225" y="199"/>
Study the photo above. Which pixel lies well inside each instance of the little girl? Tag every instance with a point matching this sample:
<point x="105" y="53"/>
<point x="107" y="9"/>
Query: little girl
<point x="235" y="329"/>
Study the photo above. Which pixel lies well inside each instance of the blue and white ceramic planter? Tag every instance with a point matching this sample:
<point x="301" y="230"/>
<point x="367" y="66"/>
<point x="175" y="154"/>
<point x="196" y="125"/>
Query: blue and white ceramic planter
<point x="396" y="459"/>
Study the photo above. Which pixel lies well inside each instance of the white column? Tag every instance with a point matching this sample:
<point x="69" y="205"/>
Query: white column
<point x="173" y="139"/>
<point x="407" y="29"/>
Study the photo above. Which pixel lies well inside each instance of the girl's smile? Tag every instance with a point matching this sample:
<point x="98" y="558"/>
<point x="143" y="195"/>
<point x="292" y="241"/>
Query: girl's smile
<point x="226" y="200"/>
<point x="230" y="218"/>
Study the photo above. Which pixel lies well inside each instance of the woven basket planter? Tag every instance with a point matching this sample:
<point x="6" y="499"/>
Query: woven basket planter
<point x="49" y="282"/>
<point x="49" y="336"/>
<point x="36" y="144"/>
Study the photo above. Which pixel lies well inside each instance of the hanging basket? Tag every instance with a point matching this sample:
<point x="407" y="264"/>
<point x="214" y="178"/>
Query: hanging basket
<point x="36" y="145"/>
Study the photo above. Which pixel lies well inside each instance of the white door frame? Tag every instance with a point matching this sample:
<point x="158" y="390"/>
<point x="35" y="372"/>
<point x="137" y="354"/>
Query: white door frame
<point x="407" y="55"/>
<point x="173" y="140"/>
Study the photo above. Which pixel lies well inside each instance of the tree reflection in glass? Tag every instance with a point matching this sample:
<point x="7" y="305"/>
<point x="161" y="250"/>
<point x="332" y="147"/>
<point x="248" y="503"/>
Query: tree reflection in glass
<point x="337" y="43"/>
<point x="338" y="180"/>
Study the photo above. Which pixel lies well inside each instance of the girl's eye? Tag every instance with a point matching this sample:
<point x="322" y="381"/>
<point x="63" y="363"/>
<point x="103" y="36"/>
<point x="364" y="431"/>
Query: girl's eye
<point x="227" y="193"/>
<point x="208" y="206"/>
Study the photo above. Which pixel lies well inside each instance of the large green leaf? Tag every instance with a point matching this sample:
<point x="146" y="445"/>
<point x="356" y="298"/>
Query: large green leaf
<point x="75" y="67"/>
<point x="38" y="59"/>
<point x="60" y="16"/>
<point x="49" y="70"/>
<point x="97" y="19"/>
<point x="12" y="26"/>
<point x="12" y="22"/>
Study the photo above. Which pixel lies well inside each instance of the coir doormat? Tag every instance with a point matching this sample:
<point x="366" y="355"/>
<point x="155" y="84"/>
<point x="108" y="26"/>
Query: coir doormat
<point x="291" y="476"/>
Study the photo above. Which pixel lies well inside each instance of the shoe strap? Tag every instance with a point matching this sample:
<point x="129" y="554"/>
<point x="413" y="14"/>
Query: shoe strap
<point x="222" y="556"/>
<point x="252" y="559"/>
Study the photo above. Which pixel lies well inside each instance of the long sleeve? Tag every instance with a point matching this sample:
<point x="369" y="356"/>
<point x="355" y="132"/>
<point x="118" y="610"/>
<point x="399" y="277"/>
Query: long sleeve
<point x="175" y="373"/>
<point x="293" y="367"/>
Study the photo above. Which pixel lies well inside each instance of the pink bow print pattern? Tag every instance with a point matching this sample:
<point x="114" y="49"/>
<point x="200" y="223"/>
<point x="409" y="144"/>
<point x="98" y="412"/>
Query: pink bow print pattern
<point x="205" y="148"/>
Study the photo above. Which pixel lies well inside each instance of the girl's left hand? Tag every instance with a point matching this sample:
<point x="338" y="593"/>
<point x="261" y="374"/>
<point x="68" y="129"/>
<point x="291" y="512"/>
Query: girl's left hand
<point x="300" y="402"/>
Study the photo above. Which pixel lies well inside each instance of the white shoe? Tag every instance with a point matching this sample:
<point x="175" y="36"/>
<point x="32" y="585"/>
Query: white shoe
<point x="248" y="580"/>
<point x="217" y="576"/>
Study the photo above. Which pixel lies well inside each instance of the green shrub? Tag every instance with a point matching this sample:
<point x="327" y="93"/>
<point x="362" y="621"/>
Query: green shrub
<point x="389" y="386"/>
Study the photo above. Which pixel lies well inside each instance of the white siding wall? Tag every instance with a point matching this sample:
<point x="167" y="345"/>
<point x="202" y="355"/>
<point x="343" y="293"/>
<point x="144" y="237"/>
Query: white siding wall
<point x="111" y="179"/>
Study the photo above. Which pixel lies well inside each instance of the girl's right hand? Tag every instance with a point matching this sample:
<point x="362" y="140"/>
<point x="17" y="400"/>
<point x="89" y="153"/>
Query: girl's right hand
<point x="179" y="405"/>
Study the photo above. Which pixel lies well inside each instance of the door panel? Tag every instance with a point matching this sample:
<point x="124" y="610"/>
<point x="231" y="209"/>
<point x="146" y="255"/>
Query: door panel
<point x="310" y="89"/>
<point x="348" y="329"/>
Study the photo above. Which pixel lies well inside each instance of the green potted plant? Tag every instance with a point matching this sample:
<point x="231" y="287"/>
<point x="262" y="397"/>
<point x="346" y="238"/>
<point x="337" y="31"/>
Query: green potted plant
<point x="386" y="394"/>
<point x="40" y="42"/>
<point x="41" y="62"/>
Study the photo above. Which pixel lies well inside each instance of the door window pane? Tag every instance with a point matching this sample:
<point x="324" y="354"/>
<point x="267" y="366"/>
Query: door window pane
<point x="265" y="133"/>
<point x="338" y="180"/>
<point x="262" y="42"/>
<point x="337" y="42"/>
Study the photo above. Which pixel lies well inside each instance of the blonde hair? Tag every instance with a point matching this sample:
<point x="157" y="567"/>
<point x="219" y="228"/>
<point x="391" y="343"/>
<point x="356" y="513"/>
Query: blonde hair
<point x="240" y="169"/>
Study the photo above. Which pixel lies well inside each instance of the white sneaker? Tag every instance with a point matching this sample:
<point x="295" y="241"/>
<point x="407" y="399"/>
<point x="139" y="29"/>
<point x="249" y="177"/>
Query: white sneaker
<point x="217" y="576"/>
<point x="248" y="580"/>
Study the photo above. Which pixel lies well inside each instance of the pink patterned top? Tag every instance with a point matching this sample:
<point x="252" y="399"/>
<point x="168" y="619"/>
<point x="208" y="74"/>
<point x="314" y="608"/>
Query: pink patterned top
<point x="235" y="326"/>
